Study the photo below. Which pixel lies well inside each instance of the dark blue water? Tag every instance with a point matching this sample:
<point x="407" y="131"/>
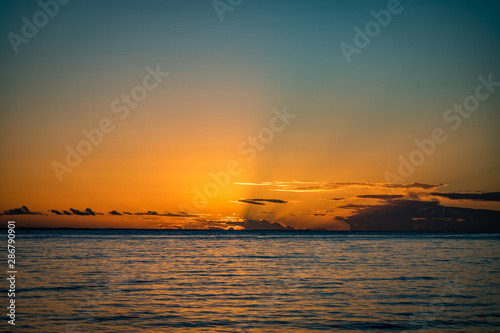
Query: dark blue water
<point x="236" y="281"/>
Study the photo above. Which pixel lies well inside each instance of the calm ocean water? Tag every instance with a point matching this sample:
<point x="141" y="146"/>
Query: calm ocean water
<point x="182" y="281"/>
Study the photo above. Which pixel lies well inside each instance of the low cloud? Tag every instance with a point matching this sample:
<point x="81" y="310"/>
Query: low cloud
<point x="155" y="213"/>
<point x="86" y="212"/>
<point x="149" y="212"/>
<point x="415" y="215"/>
<point x="20" y="211"/>
<point x="114" y="212"/>
<point x="487" y="196"/>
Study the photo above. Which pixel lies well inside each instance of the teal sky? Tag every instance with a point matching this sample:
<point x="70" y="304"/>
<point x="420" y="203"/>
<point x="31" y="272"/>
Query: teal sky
<point x="353" y="119"/>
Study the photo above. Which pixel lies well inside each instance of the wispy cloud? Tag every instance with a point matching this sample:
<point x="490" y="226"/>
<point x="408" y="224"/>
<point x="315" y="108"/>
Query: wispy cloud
<point x="260" y="201"/>
<point x="256" y="184"/>
<point x="322" y="186"/>
<point x="381" y="196"/>
<point x="354" y="206"/>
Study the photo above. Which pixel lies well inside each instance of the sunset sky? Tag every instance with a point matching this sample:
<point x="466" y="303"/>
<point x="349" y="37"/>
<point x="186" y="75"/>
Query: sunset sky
<point x="264" y="99"/>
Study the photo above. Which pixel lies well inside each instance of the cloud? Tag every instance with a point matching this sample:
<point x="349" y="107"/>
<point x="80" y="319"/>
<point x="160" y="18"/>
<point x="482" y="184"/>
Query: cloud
<point x="149" y="212"/>
<point x="354" y="206"/>
<point x="65" y="212"/>
<point x="381" y="196"/>
<point x="487" y="196"/>
<point x="55" y="212"/>
<point x="414" y="215"/>
<point x="416" y="185"/>
<point x="155" y="213"/>
<point x="20" y="211"/>
<point x="322" y="186"/>
<point x="256" y="184"/>
<point x="114" y="212"/>
<point x="270" y="200"/>
<point x="249" y="202"/>
<point x="260" y="201"/>
<point x="86" y="212"/>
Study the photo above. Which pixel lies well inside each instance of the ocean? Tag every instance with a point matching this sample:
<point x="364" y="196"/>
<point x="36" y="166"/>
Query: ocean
<point x="250" y="281"/>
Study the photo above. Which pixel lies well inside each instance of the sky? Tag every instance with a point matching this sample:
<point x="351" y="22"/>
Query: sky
<point x="247" y="114"/>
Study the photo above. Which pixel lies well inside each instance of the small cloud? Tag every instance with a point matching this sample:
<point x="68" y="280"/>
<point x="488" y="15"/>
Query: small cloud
<point x="20" y="211"/>
<point x="184" y="214"/>
<point x="180" y="214"/>
<point x="65" y="212"/>
<point x="114" y="212"/>
<point x="55" y="212"/>
<point x="260" y="201"/>
<point x="127" y="213"/>
<point x="249" y="202"/>
<point x="149" y="212"/>
<point x="269" y="200"/>
<point x="86" y="212"/>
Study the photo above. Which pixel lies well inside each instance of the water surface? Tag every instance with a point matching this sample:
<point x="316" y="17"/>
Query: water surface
<point x="237" y="281"/>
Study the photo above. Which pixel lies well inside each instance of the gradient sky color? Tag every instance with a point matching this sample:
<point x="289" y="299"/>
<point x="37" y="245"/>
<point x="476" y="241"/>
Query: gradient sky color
<point x="352" y="121"/>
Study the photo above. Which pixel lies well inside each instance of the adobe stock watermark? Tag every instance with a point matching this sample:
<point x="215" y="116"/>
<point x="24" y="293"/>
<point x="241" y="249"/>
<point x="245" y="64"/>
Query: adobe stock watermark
<point x="437" y="306"/>
<point x="11" y="271"/>
<point x="122" y="106"/>
<point x="300" y="272"/>
<point x="30" y="28"/>
<point x="372" y="29"/>
<point x="91" y="307"/>
<point x="452" y="116"/>
<point x="222" y="6"/>
<point x="249" y="148"/>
